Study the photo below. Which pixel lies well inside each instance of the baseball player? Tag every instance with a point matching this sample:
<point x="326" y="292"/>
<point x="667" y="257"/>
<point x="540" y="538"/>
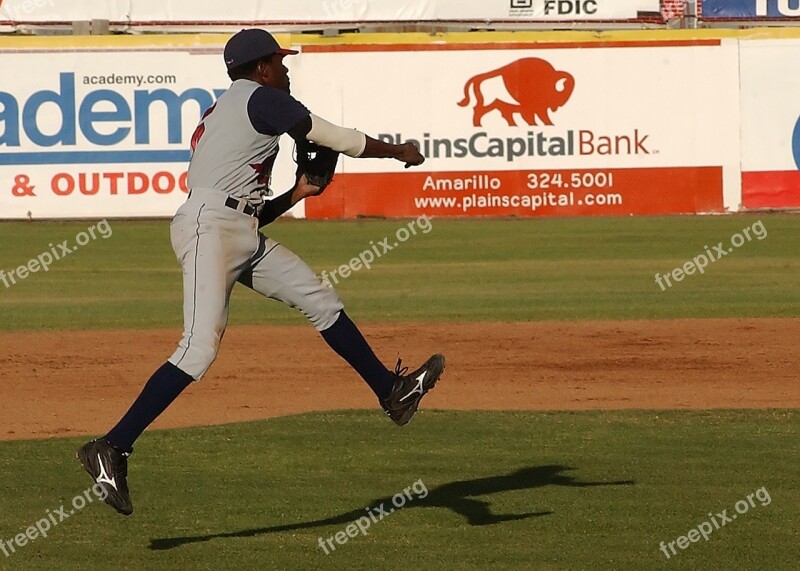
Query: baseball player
<point x="216" y="239"/>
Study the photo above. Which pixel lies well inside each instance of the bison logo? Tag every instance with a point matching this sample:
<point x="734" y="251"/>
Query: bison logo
<point x="533" y="82"/>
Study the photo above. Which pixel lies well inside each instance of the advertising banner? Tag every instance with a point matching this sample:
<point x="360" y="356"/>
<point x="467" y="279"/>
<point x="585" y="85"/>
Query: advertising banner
<point x="751" y="9"/>
<point x="770" y="94"/>
<point x="534" y="130"/>
<point x="402" y="10"/>
<point x="100" y="133"/>
<point x="172" y="13"/>
<point x="508" y="129"/>
<point x="80" y="137"/>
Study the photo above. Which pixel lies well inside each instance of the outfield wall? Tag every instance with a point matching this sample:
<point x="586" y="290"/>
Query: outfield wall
<point x="572" y="123"/>
<point x="770" y="78"/>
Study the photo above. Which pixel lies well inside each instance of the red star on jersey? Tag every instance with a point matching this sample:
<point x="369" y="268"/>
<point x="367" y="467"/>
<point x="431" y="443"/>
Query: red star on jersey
<point x="263" y="177"/>
<point x="264" y="170"/>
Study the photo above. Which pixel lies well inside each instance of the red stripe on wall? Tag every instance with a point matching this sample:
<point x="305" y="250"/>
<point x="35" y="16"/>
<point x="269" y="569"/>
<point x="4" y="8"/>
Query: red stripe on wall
<point x="771" y="189"/>
<point x="577" y="192"/>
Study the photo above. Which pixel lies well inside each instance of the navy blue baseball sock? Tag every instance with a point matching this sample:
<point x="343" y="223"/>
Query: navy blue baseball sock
<point x="345" y="338"/>
<point x="163" y="387"/>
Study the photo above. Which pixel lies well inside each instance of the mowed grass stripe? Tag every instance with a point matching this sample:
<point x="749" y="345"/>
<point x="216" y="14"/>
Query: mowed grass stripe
<point x="463" y="270"/>
<point x="578" y="490"/>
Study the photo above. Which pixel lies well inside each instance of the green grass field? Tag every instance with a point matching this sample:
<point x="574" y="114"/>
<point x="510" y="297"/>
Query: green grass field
<point x="513" y="270"/>
<point x="505" y="490"/>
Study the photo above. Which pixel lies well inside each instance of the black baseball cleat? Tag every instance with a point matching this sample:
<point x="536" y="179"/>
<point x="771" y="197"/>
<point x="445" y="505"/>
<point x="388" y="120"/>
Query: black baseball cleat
<point x="408" y="390"/>
<point x="108" y="467"/>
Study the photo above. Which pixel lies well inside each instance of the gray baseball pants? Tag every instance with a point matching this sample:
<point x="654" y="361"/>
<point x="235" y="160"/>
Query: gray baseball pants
<point x="218" y="246"/>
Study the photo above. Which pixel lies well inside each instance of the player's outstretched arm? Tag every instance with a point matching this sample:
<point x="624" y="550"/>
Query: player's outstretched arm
<point x="406" y="153"/>
<point x="354" y="143"/>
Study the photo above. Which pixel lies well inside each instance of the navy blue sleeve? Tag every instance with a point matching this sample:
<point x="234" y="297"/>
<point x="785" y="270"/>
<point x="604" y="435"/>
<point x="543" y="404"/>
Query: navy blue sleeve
<point x="274" y="112"/>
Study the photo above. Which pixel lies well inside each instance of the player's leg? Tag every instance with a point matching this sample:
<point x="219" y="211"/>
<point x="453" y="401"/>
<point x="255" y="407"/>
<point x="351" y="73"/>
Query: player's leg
<point x="211" y="264"/>
<point x="207" y="284"/>
<point x="280" y="274"/>
<point x="212" y="259"/>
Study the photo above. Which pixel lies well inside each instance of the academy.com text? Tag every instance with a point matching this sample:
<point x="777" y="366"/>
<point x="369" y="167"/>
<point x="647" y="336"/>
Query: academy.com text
<point x="137" y="80"/>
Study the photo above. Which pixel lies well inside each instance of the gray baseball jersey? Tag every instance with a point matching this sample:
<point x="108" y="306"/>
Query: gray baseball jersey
<point x="235" y="146"/>
<point x="234" y="149"/>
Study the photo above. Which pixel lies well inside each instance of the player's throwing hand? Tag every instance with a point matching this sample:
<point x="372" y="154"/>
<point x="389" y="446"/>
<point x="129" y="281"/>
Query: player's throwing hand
<point x="410" y="155"/>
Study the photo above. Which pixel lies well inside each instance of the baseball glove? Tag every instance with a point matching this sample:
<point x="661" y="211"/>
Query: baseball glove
<point x="318" y="163"/>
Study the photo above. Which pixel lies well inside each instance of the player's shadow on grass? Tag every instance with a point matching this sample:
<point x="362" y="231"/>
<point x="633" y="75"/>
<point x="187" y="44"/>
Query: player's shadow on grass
<point x="456" y="496"/>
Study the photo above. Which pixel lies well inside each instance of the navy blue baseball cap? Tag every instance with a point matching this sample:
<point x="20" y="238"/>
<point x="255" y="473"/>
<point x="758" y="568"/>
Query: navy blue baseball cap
<point x="251" y="45"/>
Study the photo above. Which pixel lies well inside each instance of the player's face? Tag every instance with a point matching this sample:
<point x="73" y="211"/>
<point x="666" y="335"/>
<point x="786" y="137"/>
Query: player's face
<point x="275" y="74"/>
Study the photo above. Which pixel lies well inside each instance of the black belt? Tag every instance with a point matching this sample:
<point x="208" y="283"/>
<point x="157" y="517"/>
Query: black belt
<point x="231" y="202"/>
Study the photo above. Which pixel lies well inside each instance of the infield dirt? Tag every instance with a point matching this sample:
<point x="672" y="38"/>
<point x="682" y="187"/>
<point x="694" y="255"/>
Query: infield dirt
<point x="80" y="382"/>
